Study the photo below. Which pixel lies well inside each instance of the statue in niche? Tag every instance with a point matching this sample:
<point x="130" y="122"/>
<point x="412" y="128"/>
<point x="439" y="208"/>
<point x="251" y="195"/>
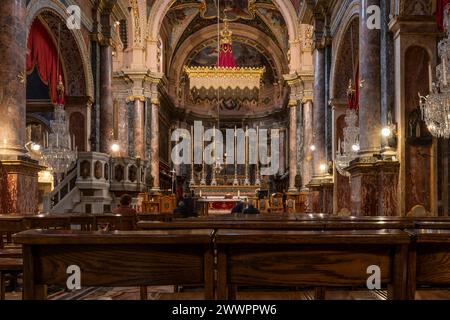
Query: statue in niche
<point x="417" y="132"/>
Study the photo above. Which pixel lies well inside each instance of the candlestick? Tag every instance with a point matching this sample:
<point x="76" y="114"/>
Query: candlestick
<point x="203" y="180"/>
<point x="444" y="70"/>
<point x="246" y="181"/>
<point x="235" y="180"/>
<point x="57" y="141"/>
<point x="192" y="182"/>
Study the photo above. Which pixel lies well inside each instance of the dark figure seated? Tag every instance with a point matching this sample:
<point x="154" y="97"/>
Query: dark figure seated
<point x="181" y="209"/>
<point x="251" y="209"/>
<point x="238" y="208"/>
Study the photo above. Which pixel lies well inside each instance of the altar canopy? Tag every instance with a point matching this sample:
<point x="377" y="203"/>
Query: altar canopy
<point x="226" y="80"/>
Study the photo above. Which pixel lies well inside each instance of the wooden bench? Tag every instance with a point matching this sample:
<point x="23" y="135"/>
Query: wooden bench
<point x="8" y="265"/>
<point x="310" y="258"/>
<point x="247" y="225"/>
<point x="117" y="259"/>
<point x="10" y="224"/>
<point x="429" y="260"/>
<point x="57" y="222"/>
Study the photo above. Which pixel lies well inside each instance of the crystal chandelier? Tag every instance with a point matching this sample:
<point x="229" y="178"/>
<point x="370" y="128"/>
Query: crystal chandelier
<point x="59" y="152"/>
<point x="348" y="149"/>
<point x="436" y="106"/>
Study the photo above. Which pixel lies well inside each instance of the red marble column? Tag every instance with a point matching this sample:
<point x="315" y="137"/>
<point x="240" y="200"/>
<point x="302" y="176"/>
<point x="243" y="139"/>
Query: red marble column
<point x="18" y="173"/>
<point x="106" y="99"/>
<point x="154" y="164"/>
<point x="292" y="146"/>
<point x="319" y="155"/>
<point x="139" y="146"/>
<point x="13" y="46"/>
<point x="373" y="181"/>
<point x="370" y="92"/>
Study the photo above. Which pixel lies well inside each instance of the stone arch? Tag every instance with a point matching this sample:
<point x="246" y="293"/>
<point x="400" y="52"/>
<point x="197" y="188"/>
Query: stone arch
<point x="37" y="7"/>
<point x="160" y="8"/>
<point x="208" y="33"/>
<point x="339" y="42"/>
<point x="417" y="167"/>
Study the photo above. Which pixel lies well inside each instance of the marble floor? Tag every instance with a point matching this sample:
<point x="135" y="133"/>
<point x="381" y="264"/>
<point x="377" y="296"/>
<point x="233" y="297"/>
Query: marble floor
<point x="169" y="293"/>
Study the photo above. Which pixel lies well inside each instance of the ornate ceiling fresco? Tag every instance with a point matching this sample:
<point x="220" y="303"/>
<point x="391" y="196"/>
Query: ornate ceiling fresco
<point x="260" y="18"/>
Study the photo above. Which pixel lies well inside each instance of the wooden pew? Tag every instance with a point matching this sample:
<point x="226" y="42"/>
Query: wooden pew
<point x="429" y="260"/>
<point x="43" y="221"/>
<point x="10" y="224"/>
<point x="247" y="225"/>
<point x="117" y="259"/>
<point x="85" y="222"/>
<point x="310" y="258"/>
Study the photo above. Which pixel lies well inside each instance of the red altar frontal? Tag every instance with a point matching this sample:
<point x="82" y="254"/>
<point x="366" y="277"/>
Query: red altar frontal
<point x="221" y="199"/>
<point x="216" y="205"/>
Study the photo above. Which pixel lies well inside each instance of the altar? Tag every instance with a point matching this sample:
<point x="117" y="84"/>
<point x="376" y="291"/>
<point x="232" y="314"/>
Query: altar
<point x="214" y="200"/>
<point x="217" y="205"/>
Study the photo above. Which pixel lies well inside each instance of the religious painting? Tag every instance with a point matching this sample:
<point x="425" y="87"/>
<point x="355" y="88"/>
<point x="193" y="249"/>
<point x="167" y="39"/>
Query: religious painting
<point x="230" y="10"/>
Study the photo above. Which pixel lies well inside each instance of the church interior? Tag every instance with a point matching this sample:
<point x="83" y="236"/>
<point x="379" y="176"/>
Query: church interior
<point x="225" y="149"/>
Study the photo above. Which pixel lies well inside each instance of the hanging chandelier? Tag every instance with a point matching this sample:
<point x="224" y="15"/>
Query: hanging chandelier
<point x="59" y="152"/>
<point x="233" y="82"/>
<point x="436" y="106"/>
<point x="348" y="149"/>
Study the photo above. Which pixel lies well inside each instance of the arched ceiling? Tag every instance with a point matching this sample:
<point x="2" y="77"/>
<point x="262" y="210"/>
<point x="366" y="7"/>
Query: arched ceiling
<point x="186" y="18"/>
<point x="260" y="38"/>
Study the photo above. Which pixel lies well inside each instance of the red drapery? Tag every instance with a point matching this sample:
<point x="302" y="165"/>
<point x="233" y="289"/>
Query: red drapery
<point x="439" y="14"/>
<point x="226" y="57"/>
<point x="43" y="54"/>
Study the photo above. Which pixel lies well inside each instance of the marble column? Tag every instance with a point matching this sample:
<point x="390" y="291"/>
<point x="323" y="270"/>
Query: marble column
<point x="13" y="47"/>
<point x="18" y="173"/>
<point x="319" y="155"/>
<point x="154" y="141"/>
<point x="370" y="93"/>
<point x="307" y="172"/>
<point x="282" y="151"/>
<point x="139" y="145"/>
<point x="292" y="145"/>
<point x="373" y="181"/>
<point x="106" y="98"/>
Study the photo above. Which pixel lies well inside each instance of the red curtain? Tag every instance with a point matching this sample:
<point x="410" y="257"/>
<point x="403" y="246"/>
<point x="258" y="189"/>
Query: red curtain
<point x="439" y="14"/>
<point x="226" y="57"/>
<point x="43" y="54"/>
